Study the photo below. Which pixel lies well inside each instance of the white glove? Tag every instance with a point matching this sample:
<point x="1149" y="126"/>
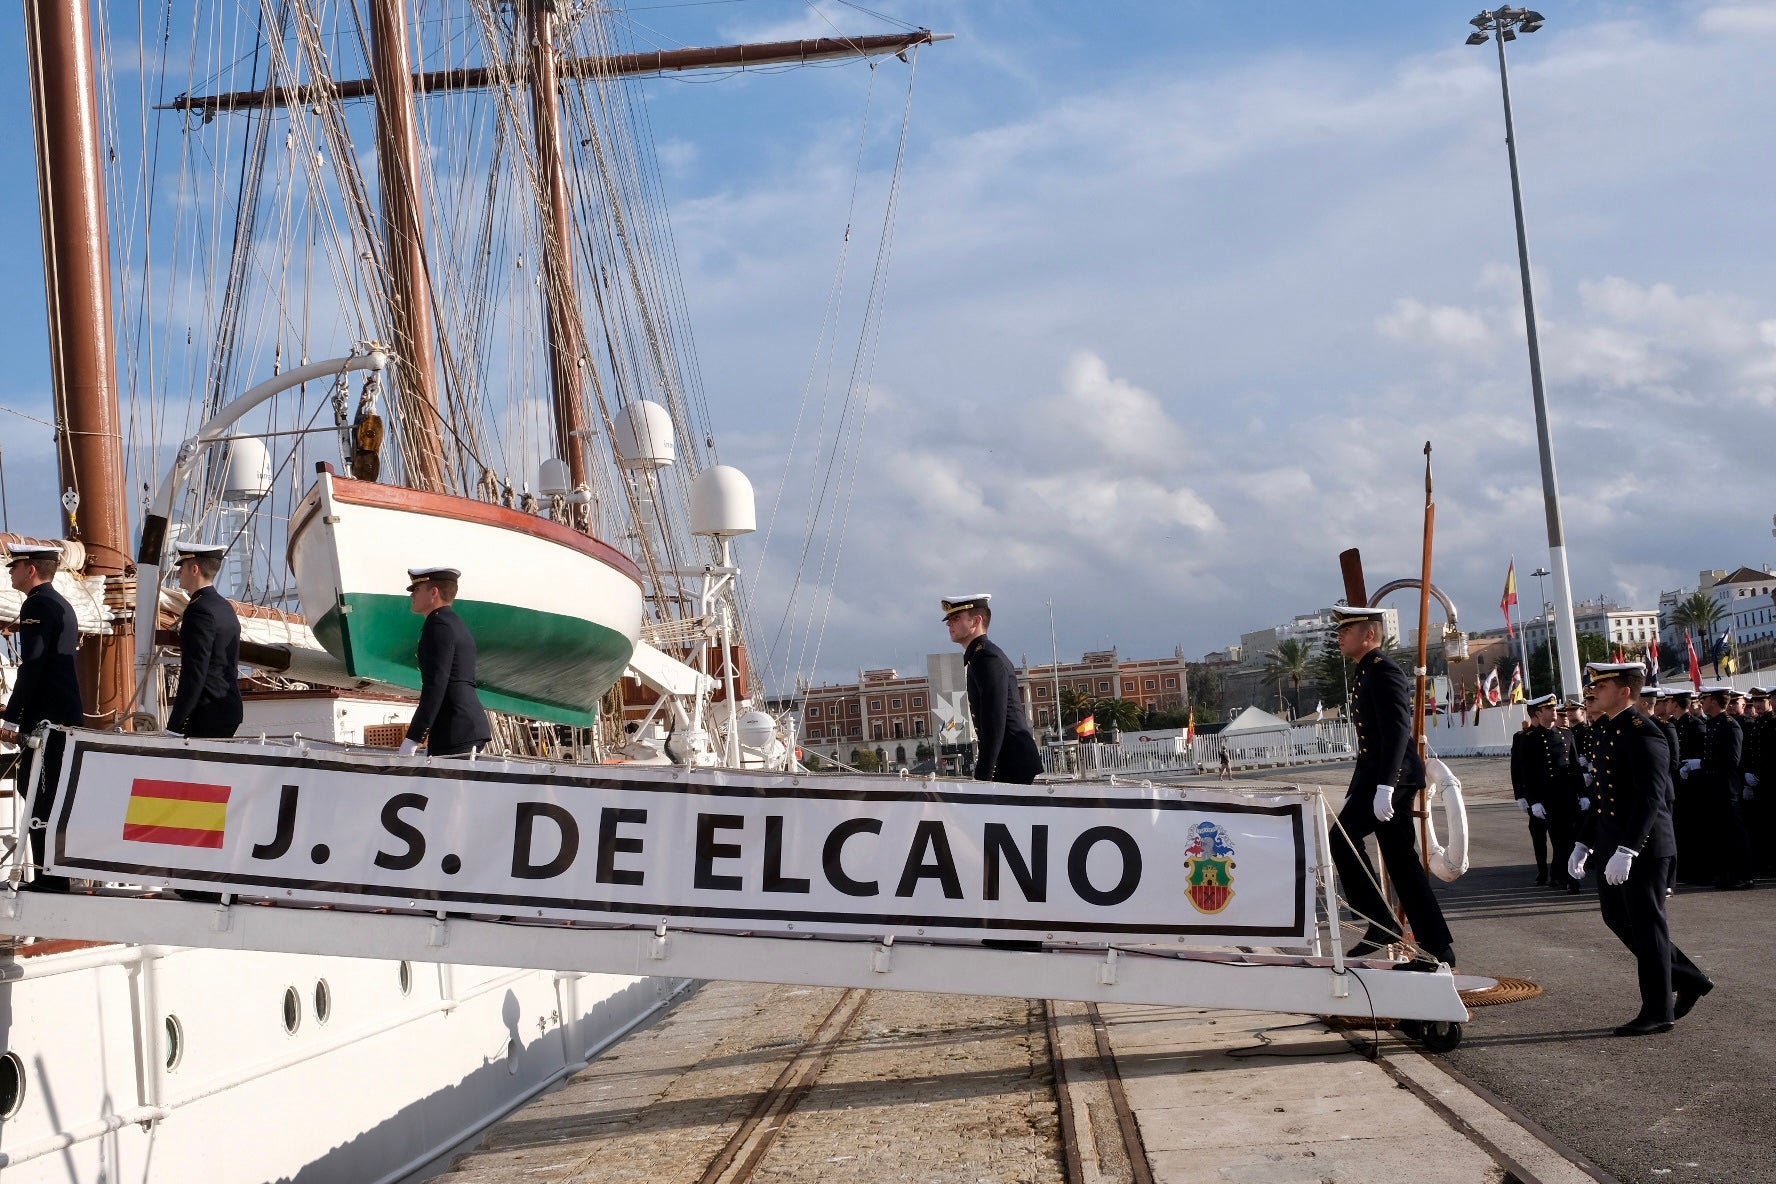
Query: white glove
<point x="1590" y="779"/>
<point x="1615" y="872"/>
<point x="1523" y="804"/>
<point x="409" y="747"/>
<point x="1384" y="803"/>
<point x="1584" y="761"/>
<point x="1584" y="804"/>
<point x="1688" y="767"/>
<point x="1575" y="863"/>
<point x="1539" y="811"/>
<point x="1751" y="780"/>
<point x="173" y="734"/>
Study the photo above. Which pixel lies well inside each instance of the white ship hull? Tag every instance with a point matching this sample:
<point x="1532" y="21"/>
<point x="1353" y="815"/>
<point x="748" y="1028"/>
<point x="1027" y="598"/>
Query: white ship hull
<point x="387" y="1084"/>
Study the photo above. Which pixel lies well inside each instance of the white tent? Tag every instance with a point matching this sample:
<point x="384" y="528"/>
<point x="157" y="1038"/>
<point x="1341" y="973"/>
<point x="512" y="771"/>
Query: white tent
<point x="1261" y="726"/>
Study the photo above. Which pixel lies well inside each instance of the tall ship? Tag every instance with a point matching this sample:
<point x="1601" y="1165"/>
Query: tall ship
<point x="352" y="288"/>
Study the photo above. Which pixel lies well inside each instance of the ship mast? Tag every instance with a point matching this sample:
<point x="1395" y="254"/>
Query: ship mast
<point x="83" y="368"/>
<point x="397" y="146"/>
<point x="618" y="65"/>
<point x="564" y="344"/>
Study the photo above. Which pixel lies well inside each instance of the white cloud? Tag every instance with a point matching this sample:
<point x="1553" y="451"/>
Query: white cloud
<point x="1443" y="325"/>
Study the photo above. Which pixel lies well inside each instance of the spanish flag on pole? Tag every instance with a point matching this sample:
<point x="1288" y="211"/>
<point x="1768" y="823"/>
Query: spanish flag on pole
<point x="1087" y="726"/>
<point x="1510" y="597"/>
<point x="176" y="813"/>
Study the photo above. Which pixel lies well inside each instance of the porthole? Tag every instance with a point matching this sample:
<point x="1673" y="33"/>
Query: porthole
<point x="406" y="978"/>
<point x="323" y="1001"/>
<point x="292" y="1010"/>
<point x="12" y="1085"/>
<point x="175" y="1042"/>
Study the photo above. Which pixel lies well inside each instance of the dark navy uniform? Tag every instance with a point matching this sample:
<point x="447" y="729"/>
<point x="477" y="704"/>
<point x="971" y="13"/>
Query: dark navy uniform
<point x="208" y="702"/>
<point x="1632" y="809"/>
<point x="1555" y="782"/>
<point x="1004" y="748"/>
<point x="1381" y="710"/>
<point x="1692" y="731"/>
<point x="47" y="691"/>
<point x="48" y="686"/>
<point x="449" y="711"/>
<point x="1722" y="783"/>
<point x="1669" y="730"/>
<point x="1522" y="790"/>
<point x="1688" y="812"/>
<point x="1760" y="790"/>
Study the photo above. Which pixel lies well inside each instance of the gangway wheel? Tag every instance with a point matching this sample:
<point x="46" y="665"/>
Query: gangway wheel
<point x="1439" y="1035"/>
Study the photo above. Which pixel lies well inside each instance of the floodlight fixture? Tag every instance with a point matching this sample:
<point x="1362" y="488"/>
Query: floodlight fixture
<point x="1483" y="21"/>
<point x="1477" y="39"/>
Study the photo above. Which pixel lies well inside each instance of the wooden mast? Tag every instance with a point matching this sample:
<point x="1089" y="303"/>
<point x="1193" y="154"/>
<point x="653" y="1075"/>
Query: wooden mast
<point x="83" y="369"/>
<point x="564" y="340"/>
<point x="1422" y="808"/>
<point x="397" y="146"/>
<point x="667" y="61"/>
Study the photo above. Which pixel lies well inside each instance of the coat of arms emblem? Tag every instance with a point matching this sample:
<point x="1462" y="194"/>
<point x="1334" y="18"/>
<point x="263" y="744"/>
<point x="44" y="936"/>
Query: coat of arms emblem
<point x="1209" y="861"/>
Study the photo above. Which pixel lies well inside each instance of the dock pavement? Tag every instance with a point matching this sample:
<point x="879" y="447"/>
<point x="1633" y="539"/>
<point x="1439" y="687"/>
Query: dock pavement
<point x="784" y="1084"/>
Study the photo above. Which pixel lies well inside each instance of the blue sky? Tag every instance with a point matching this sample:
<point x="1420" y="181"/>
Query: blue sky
<point x="1179" y="291"/>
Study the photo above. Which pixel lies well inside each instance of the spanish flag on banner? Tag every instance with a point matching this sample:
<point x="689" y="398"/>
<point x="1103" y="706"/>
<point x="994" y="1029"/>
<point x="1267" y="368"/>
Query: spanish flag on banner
<point x="1087" y="726"/>
<point x="176" y="813"/>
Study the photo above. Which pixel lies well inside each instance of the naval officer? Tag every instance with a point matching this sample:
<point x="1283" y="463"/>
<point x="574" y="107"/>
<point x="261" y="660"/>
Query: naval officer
<point x="1551" y="789"/>
<point x="1383" y="789"/>
<point x="449" y="720"/>
<point x="208" y="702"/>
<point x="48" y="686"/>
<point x="1720" y="778"/>
<point x="1525" y="748"/>
<point x="1631" y="820"/>
<point x="1004" y="748"/>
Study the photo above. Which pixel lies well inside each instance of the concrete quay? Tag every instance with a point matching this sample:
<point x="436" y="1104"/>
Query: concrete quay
<point x="746" y="1081"/>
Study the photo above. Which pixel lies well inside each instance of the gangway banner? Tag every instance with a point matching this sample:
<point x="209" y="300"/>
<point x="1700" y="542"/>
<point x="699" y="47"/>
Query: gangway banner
<point x="696" y="849"/>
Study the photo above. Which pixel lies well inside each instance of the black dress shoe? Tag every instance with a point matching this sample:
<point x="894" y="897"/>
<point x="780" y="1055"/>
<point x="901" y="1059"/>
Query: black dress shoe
<point x="1686" y="1000"/>
<point x="1372" y="943"/>
<point x="1542" y="878"/>
<point x="1572" y="887"/>
<point x="1429" y="961"/>
<point x="1640" y="1026"/>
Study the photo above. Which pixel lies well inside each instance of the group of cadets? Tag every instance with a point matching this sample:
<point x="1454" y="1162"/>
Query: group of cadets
<point x="1721" y="748"/>
<point x="1666" y="788"/>
<point x="449" y="719"/>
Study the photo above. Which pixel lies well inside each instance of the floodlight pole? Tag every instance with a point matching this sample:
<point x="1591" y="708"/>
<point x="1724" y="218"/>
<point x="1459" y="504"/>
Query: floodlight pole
<point x="1498" y="23"/>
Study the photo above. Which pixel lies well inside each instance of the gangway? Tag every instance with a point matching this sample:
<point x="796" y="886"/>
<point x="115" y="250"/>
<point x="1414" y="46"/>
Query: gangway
<point x="1133" y="893"/>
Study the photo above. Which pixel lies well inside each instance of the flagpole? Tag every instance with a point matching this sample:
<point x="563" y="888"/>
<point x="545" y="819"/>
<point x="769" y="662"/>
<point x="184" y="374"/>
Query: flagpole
<point x="1523" y="645"/>
<point x="1055" y="647"/>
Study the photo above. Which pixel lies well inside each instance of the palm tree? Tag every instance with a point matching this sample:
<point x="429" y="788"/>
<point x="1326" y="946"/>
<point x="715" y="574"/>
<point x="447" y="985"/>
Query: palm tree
<point x="1291" y="661"/>
<point x="1122" y="714"/>
<point x="1701" y="613"/>
<point x="1074" y="706"/>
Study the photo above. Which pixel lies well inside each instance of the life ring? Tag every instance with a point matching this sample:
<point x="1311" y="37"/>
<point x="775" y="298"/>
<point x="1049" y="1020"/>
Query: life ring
<point x="1447" y="862"/>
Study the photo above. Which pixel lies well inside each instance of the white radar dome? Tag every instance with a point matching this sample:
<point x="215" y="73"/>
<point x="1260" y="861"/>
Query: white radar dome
<point x="554" y="478"/>
<point x="248" y="475"/>
<point x="757" y="729"/>
<point x="644" y="436"/>
<point x="721" y="503"/>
